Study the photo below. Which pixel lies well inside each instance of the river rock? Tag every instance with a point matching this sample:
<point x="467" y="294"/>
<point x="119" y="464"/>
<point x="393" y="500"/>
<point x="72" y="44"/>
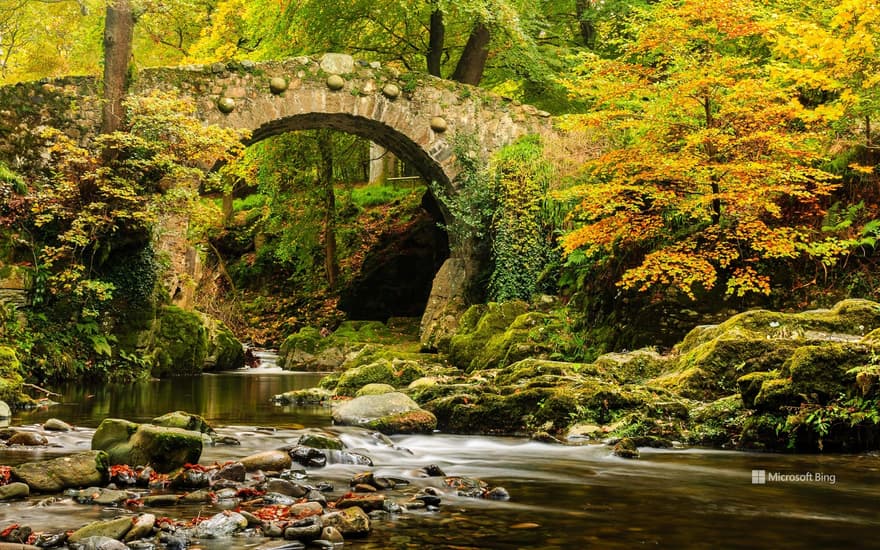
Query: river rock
<point x="310" y="396"/>
<point x="232" y="472"/>
<point x="375" y="389"/>
<point x="332" y="534"/>
<point x="67" y="472"/>
<point x="367" y="502"/>
<point x="351" y="522"/>
<point x="14" y="490"/>
<point x="389" y="413"/>
<point x="114" y="529"/>
<point x="321" y="441"/>
<point x="220" y="525"/>
<point x="5" y="410"/>
<point x="29" y="439"/>
<point x="284" y="487"/>
<point x="273" y="461"/>
<point x="184" y="421"/>
<point x="55" y="425"/>
<point x="163" y="449"/>
<point x="99" y="495"/>
<point x="141" y="527"/>
<point x="99" y="543"/>
<point x="626" y="448"/>
<point x="308" y="456"/>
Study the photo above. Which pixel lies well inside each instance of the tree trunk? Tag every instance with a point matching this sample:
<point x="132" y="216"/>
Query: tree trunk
<point x="472" y="62"/>
<point x="325" y="176"/>
<point x="436" y="38"/>
<point x="118" y="34"/>
<point x="587" y="28"/>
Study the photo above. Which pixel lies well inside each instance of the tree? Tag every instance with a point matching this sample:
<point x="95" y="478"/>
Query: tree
<point x="416" y="34"/>
<point x="833" y="55"/>
<point x="95" y="201"/>
<point x="118" y="37"/>
<point x="712" y="172"/>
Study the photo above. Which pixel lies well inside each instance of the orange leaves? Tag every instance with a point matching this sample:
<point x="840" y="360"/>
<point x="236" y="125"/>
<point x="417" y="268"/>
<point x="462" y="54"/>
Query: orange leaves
<point x="709" y="170"/>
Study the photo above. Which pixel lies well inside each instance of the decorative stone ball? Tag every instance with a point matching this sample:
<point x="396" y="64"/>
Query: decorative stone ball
<point x="226" y="104"/>
<point x="438" y="124"/>
<point x="390" y="91"/>
<point x="277" y="85"/>
<point x="335" y="82"/>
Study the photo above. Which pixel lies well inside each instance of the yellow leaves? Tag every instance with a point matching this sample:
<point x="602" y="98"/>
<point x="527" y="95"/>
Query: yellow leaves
<point x="861" y="169"/>
<point x="677" y="267"/>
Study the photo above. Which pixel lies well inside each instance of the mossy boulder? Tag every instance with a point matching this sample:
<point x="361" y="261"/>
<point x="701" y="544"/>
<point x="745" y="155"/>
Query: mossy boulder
<point x="477" y="327"/>
<point x="11" y="379"/>
<point x="375" y="389"/>
<point x="179" y="342"/>
<point x="380" y="372"/>
<point x="313" y="349"/>
<point x="410" y="422"/>
<point x="163" y="449"/>
<point x="389" y="413"/>
<point x="632" y="367"/>
<point x="84" y="469"/>
<point x="225" y="351"/>
<point x="718" y="423"/>
<point x="847" y="320"/>
<point x="184" y="421"/>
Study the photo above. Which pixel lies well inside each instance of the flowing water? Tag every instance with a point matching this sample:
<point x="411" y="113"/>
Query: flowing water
<point x="561" y="496"/>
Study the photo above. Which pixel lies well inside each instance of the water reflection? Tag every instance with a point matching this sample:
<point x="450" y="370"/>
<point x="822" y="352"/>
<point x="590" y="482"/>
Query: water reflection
<point x="227" y="398"/>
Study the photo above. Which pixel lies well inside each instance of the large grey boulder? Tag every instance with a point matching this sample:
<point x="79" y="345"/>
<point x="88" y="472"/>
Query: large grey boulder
<point x="388" y="412"/>
<point x="51" y="476"/>
<point x="163" y="449"/>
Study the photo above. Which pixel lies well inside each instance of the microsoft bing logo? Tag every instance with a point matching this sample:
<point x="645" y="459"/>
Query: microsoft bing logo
<point x="759" y="477"/>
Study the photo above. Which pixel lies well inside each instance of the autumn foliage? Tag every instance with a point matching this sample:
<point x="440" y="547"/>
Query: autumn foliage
<point x="714" y="167"/>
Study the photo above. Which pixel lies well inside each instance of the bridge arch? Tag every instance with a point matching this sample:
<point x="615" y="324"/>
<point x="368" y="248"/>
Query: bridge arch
<point x="415" y="116"/>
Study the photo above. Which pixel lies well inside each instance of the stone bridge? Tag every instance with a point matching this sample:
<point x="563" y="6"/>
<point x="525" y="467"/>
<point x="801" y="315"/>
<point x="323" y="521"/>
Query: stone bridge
<point x="413" y="115"/>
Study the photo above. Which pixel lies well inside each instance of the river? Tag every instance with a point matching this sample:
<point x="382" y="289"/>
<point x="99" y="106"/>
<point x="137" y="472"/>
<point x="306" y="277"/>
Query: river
<point x="562" y="497"/>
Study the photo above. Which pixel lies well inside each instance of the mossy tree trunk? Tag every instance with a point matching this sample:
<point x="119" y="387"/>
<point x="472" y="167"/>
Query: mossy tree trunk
<point x="325" y="183"/>
<point x="118" y="35"/>
<point x="472" y="62"/>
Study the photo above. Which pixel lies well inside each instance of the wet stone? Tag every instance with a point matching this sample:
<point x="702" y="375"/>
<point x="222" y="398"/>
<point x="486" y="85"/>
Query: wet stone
<point x="28" y="439"/>
<point x="308" y="456"/>
<point x="233" y="472"/>
<point x="285" y="487"/>
<point x="55" y="425"/>
<point x="14" y="490"/>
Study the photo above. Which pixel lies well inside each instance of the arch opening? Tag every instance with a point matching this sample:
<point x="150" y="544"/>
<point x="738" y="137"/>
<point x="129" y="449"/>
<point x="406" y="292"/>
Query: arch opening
<point x="396" y="274"/>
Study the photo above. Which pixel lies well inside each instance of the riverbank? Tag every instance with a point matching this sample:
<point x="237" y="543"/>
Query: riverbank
<point x="560" y="496"/>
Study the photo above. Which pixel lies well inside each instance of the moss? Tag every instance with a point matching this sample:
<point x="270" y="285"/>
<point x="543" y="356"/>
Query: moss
<point x="308" y="339"/>
<point x="184" y="421"/>
<point x="750" y="385"/>
<point x="716" y="424"/>
<point x="777" y="393"/>
<point x="822" y="370"/>
<point x="375" y="389"/>
<point x="11" y="379"/>
<point x="352" y="380"/>
<point x="849" y="317"/>
<point x="533" y="368"/>
<point x="409" y="422"/>
<point x="179" y="343"/>
<point x="225" y="352"/>
<point x="761" y="432"/>
<point x="330" y="381"/>
<point x="634" y="366"/>
<point x="496" y="414"/>
<point x="406" y="372"/>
